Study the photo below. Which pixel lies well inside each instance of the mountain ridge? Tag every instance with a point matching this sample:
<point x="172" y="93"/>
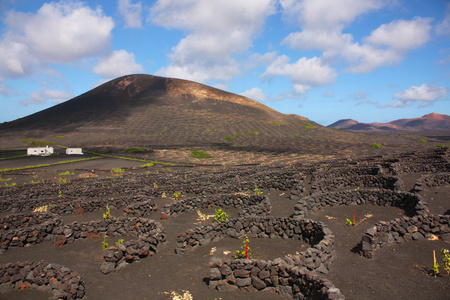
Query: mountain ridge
<point x="428" y="122"/>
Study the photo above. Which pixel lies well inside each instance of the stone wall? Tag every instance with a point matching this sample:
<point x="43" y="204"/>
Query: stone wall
<point x="432" y="180"/>
<point x="282" y="275"/>
<point x="55" y="279"/>
<point x="52" y="228"/>
<point x="346" y="182"/>
<point x="219" y="200"/>
<point x="402" y="230"/>
<point x="412" y="203"/>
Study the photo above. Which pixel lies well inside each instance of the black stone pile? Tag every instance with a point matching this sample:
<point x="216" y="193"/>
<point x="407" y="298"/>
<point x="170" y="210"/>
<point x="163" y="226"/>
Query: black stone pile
<point x="57" y="280"/>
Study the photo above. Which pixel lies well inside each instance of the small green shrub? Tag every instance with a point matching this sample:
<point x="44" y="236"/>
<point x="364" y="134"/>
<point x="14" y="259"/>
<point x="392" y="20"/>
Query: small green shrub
<point x="422" y="141"/>
<point x="135" y="150"/>
<point x="67" y="173"/>
<point x="120" y="241"/>
<point x="441" y="146"/>
<point x="361" y="134"/>
<point x="238" y="134"/>
<point x="229" y="138"/>
<point x="252" y="133"/>
<point x="309" y="126"/>
<point x="297" y="136"/>
<point x="107" y="214"/>
<point x="200" y="154"/>
<point x="280" y="123"/>
<point x="246" y="252"/>
<point x="376" y="146"/>
<point x="58" y="137"/>
<point x="220" y="215"/>
<point x="256" y="130"/>
<point x="117" y="170"/>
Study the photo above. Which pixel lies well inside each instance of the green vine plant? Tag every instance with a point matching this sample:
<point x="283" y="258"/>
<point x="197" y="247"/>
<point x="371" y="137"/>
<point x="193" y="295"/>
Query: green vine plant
<point x="107" y="215"/>
<point x="257" y="191"/>
<point x="120" y="241"/>
<point x="176" y="195"/>
<point x="246" y="251"/>
<point x="220" y="215"/>
<point x="105" y="245"/>
<point x="349" y="222"/>
<point x="446" y="257"/>
<point x="435" y="265"/>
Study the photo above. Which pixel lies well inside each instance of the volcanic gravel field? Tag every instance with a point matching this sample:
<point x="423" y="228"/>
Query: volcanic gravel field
<point x="53" y="231"/>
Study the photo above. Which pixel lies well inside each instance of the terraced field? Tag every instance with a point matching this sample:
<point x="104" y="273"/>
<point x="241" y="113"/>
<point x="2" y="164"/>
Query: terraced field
<point x="54" y="233"/>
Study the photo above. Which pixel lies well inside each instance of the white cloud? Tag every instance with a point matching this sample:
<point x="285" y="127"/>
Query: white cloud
<point x="443" y="28"/>
<point x="323" y="22"/>
<point x="118" y="63"/>
<point x="402" y="35"/>
<point x="62" y="32"/>
<point x="46" y="94"/>
<point x="217" y="30"/>
<point x="131" y="13"/>
<point x="256" y="94"/>
<point x="304" y="74"/>
<point x="326" y="14"/>
<point x="423" y="92"/>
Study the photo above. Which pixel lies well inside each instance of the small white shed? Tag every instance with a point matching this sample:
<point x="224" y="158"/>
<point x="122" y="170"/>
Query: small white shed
<point x="76" y="151"/>
<point x="40" y="151"/>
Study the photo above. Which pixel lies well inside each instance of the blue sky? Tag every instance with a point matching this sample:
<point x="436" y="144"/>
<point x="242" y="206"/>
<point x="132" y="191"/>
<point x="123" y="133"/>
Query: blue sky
<point x="371" y="60"/>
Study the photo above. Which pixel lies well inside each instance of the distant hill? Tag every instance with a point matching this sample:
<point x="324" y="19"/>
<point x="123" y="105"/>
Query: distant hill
<point x="429" y="122"/>
<point x="157" y="112"/>
<point x="152" y="111"/>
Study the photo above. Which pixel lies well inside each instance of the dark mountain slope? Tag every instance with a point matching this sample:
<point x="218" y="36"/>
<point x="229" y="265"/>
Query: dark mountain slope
<point x="151" y="111"/>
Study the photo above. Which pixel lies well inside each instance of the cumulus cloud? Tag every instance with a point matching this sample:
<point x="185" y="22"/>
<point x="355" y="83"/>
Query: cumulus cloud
<point x="46" y="94"/>
<point x="304" y="74"/>
<point x="118" y="63"/>
<point x="216" y="31"/>
<point x="323" y="22"/>
<point x="62" y="32"/>
<point x="131" y="13"/>
<point x="423" y="92"/>
<point x="256" y="94"/>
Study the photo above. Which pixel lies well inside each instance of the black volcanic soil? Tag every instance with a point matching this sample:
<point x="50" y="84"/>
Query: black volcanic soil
<point x="396" y="272"/>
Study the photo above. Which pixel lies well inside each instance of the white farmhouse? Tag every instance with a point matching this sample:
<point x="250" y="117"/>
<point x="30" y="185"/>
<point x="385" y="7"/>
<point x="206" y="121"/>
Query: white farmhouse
<point x="42" y="151"/>
<point x="77" y="151"/>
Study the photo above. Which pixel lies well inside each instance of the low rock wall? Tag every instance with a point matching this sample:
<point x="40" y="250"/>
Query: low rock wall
<point x="54" y="229"/>
<point x="413" y="204"/>
<point x="55" y="279"/>
<point x="283" y="275"/>
<point x="319" y="256"/>
<point x="338" y="172"/>
<point x="346" y="182"/>
<point x="402" y="230"/>
<point x="432" y="180"/>
<point x="220" y="200"/>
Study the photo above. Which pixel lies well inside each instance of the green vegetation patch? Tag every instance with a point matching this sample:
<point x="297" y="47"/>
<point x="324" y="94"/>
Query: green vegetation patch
<point x="200" y="154"/>
<point x="376" y="146"/>
<point x="280" y="123"/>
<point x="297" y="136"/>
<point x="229" y="138"/>
<point x="309" y="126"/>
<point x="34" y="143"/>
<point x="238" y="134"/>
<point x="135" y="150"/>
<point x="58" y="137"/>
<point x="441" y="146"/>
<point x="422" y="141"/>
<point x="252" y="133"/>
<point x="47" y="165"/>
<point x="361" y="134"/>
